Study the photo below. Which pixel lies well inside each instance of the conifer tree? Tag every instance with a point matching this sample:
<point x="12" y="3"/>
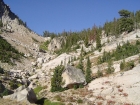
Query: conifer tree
<point x="88" y="71"/>
<point x="80" y="64"/>
<point x="126" y="23"/>
<point x="98" y="40"/>
<point x="56" y="80"/>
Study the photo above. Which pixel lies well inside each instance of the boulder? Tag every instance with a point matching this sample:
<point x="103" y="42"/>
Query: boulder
<point x="23" y="94"/>
<point x="33" y="77"/>
<point x="72" y="76"/>
<point x="33" y="63"/>
<point x="40" y="61"/>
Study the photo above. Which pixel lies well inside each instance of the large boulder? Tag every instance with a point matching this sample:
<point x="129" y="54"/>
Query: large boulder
<point x="72" y="76"/>
<point x="56" y="43"/>
<point x="23" y="94"/>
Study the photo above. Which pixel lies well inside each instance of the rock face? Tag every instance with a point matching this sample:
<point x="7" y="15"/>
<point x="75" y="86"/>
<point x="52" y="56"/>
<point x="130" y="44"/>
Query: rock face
<point x="23" y="94"/>
<point x="72" y="76"/>
<point x="56" y="43"/>
<point x="16" y="32"/>
<point x="125" y="87"/>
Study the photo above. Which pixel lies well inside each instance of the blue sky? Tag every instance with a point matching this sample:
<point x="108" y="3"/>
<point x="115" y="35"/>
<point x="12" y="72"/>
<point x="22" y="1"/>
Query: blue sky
<point x="75" y="15"/>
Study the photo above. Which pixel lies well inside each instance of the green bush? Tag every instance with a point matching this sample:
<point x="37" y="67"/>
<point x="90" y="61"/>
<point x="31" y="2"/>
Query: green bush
<point x="79" y="101"/>
<point x="75" y="86"/>
<point x="130" y="65"/>
<point x="110" y="69"/>
<point x="8" y="53"/>
<point x="122" y="65"/>
<point x="127" y="66"/>
<point x="38" y="89"/>
<point x="58" y="98"/>
<point x="121" y="52"/>
<point x="13" y="85"/>
<point x="5" y="93"/>
<point x="44" y="46"/>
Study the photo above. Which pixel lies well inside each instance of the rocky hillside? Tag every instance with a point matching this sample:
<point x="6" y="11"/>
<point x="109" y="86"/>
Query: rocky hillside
<point x="71" y="71"/>
<point x="16" y="32"/>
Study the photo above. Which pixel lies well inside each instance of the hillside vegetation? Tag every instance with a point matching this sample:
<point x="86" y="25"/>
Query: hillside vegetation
<point x="8" y="53"/>
<point x="128" y="21"/>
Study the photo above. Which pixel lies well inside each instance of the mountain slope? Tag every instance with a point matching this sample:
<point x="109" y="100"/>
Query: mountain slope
<point x="16" y="32"/>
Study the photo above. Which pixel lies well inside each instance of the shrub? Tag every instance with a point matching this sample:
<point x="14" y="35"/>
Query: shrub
<point x="79" y="101"/>
<point x="130" y="65"/>
<point x="110" y="69"/>
<point x="75" y="86"/>
<point x="122" y="65"/>
<point x="81" y="86"/>
<point x="35" y="40"/>
<point x="5" y="92"/>
<point x="8" y="53"/>
<point x="121" y="52"/>
<point x="58" y="98"/>
<point x="13" y="85"/>
<point x="38" y="89"/>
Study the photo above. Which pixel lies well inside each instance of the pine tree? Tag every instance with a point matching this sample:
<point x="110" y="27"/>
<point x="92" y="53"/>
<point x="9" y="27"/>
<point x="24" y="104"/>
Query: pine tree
<point x="80" y="64"/>
<point x="88" y="71"/>
<point x="98" y="40"/>
<point x="126" y="23"/>
<point x="56" y="80"/>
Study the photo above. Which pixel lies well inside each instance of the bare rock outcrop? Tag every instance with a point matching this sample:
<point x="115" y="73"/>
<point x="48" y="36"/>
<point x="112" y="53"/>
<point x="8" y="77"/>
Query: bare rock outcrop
<point x="123" y="86"/>
<point x="16" y="32"/>
<point x="72" y="76"/>
<point x="56" y="43"/>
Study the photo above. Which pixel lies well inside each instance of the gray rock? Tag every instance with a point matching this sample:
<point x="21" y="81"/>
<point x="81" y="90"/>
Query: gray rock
<point x="72" y="76"/>
<point x="40" y="61"/>
<point x="25" y="82"/>
<point x="33" y="77"/>
<point x="56" y="43"/>
<point x="27" y="95"/>
<point x="33" y="63"/>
